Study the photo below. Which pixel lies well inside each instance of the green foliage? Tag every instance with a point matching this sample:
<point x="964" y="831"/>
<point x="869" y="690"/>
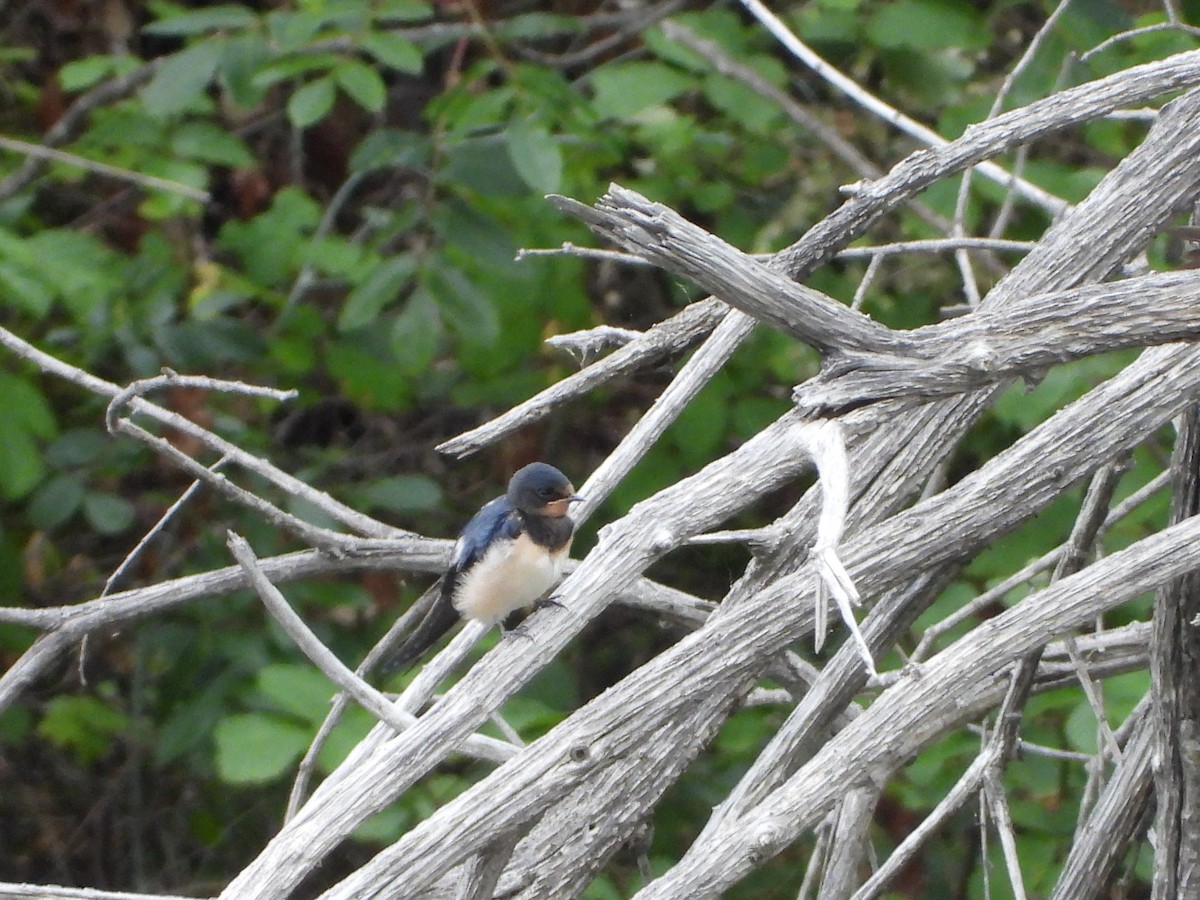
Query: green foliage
<point x="372" y="184"/>
<point x="252" y="748"/>
<point x="86" y="726"/>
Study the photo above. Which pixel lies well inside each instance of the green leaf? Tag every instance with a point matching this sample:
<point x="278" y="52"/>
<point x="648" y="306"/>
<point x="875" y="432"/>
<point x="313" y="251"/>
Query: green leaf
<point x="536" y="156"/>
<point x="390" y="147"/>
<point x="741" y="103"/>
<point x="245" y="54"/>
<point x="290" y="30"/>
<point x="108" y="513"/>
<point x="403" y="494"/>
<point x="25" y="289"/>
<point x="270" y="245"/>
<point x="227" y="16"/>
<point x="84" y="273"/>
<point x="83" y="724"/>
<point x="355" y="724"/>
<point x="55" y="502"/>
<point x="622" y="91"/>
<point x="77" y="447"/>
<point x="23" y="406"/>
<point x="402" y="11"/>
<point x="367" y="373"/>
<point x="942" y="24"/>
<point x="394" y="51"/>
<point x="380" y="288"/>
<point x="290" y="66"/>
<point x="254" y="748"/>
<point x="21" y="466"/>
<point x="206" y="142"/>
<point x="310" y="103"/>
<point x="182" y="78"/>
<point x="300" y="690"/>
<point x="416" y="333"/>
<point x="468" y="308"/>
<point x="385" y="826"/>
<point x="362" y="84"/>
<point x="83" y="73"/>
<point x="532" y="25"/>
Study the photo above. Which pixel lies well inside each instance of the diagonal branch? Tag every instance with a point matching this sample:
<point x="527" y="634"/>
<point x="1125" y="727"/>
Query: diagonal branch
<point x="662" y="236"/>
<point x="1024" y="337"/>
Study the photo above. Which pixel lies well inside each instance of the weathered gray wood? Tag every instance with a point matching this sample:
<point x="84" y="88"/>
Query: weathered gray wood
<point x="1175" y="670"/>
<point x="1102" y="842"/>
<point x="597" y="776"/>
<point x="849" y="843"/>
<point x="1095" y="257"/>
<point x="890" y="733"/>
<point x="711" y="665"/>
<point x="1024" y="337"/>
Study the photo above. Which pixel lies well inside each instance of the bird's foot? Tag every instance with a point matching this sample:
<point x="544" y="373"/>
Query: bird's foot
<point x="519" y="631"/>
<point x="546" y="603"/>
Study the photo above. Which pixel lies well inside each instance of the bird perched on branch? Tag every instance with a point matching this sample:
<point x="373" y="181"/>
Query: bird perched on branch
<point x="507" y="557"/>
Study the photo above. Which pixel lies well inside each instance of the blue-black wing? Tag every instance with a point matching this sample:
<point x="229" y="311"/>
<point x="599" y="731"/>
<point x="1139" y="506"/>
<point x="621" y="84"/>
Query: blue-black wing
<point x="495" y="521"/>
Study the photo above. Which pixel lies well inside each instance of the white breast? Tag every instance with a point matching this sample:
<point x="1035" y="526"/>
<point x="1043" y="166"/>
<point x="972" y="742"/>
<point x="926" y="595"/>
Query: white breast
<point x="511" y="575"/>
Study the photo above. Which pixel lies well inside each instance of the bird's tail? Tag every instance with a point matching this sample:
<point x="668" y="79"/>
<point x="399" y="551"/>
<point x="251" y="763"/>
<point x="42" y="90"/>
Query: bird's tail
<point x="440" y="619"/>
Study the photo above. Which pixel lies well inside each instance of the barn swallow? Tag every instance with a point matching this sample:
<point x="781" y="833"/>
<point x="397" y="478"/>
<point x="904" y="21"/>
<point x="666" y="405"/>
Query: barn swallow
<point x="507" y="557"/>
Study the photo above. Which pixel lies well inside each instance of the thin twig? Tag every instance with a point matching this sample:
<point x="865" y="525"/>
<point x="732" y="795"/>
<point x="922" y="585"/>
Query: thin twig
<point x="366" y="696"/>
<point x="51" y="365"/>
<point x="937" y="245"/>
<point x="1042" y="564"/>
<point x="997" y="804"/>
<point x="73" y="121"/>
<point x="890" y="114"/>
<point x="38" y="151"/>
<point x="170" y="378"/>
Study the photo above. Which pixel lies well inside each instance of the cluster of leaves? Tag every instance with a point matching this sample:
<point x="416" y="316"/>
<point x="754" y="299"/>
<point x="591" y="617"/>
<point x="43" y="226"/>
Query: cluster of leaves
<point x="374" y="168"/>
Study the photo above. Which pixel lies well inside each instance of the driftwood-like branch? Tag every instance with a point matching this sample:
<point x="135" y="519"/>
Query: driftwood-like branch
<point x="714" y="664"/>
<point x="550" y="814"/>
<point x="1081" y="247"/>
<point x="664" y="340"/>
<point x="662" y="236"/>
<point x="1022" y="338"/>
<point x="512" y="796"/>
<point x="365" y="695"/>
<point x="868" y="750"/>
<point x="369" y="780"/>
<point x="1175" y="674"/>
<point x="1102" y="842"/>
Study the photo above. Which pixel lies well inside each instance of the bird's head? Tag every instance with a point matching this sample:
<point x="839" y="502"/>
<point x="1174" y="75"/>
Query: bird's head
<point x="540" y="489"/>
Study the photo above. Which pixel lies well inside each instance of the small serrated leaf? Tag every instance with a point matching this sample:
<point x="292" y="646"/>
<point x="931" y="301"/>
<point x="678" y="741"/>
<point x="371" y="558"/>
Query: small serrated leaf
<point x="55" y="502"/>
<point x="624" y="90"/>
<point x="182" y="78"/>
<point x="394" y="51"/>
<point x="108" y="513"/>
<point x="362" y="84"/>
<point x="311" y="102"/>
<point x="380" y="288"/>
<point x="226" y="16"/>
<point x="300" y="690"/>
<point x="536" y="156"/>
<point x="416" y="333"/>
